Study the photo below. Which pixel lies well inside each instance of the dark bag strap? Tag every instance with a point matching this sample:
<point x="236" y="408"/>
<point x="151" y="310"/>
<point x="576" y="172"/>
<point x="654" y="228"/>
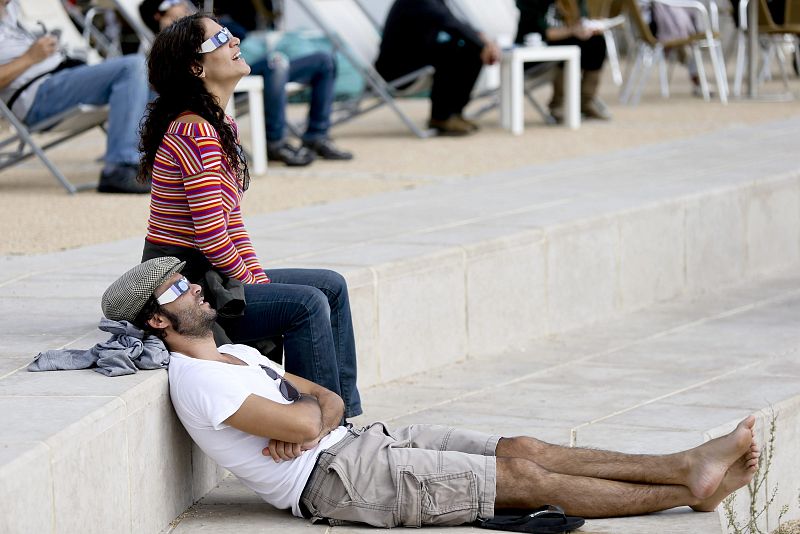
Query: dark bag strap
<point x="66" y="64"/>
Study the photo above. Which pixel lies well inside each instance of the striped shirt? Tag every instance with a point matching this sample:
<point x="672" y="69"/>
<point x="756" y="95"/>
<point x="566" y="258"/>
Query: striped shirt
<point x="195" y="202"/>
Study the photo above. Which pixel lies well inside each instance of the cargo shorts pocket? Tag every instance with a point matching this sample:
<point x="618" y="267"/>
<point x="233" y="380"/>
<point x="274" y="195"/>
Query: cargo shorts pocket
<point x="436" y="499"/>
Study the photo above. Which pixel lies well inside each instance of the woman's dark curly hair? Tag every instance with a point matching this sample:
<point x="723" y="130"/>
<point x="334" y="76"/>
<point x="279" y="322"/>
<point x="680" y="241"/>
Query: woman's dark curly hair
<point x="173" y="67"/>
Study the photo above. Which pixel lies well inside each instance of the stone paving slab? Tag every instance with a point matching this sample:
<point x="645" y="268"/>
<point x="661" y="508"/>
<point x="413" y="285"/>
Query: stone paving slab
<point x="596" y="388"/>
<point x="473" y="267"/>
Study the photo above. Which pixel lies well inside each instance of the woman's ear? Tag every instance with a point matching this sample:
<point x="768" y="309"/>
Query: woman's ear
<point x="198" y="71"/>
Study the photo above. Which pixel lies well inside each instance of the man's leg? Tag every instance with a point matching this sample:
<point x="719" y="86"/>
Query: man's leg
<point x="457" y="65"/>
<point x="274" y="69"/>
<point x="318" y="70"/>
<point x="119" y="82"/>
<point x="700" y="469"/>
<point x="524" y="484"/>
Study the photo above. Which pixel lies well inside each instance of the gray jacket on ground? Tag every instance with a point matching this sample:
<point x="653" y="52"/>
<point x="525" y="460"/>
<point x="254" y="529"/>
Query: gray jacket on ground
<point x="127" y="350"/>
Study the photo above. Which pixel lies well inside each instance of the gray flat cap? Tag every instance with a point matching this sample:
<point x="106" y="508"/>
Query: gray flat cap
<point x="125" y="298"/>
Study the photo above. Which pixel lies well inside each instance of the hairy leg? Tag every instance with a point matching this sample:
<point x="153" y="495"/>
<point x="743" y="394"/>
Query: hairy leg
<point x="701" y="469"/>
<point x="524" y="484"/>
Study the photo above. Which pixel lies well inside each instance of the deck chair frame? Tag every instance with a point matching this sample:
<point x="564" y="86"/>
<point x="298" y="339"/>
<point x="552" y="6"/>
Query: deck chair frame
<point x="64" y="127"/>
<point x="384" y="92"/>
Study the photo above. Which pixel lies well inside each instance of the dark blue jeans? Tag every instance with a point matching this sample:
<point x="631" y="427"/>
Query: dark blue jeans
<point x="310" y="308"/>
<point x="317" y="70"/>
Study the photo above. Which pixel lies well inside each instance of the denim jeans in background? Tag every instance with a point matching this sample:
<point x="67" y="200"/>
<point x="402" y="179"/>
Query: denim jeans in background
<point x="317" y="70"/>
<point x="120" y="82"/>
<point x="311" y="309"/>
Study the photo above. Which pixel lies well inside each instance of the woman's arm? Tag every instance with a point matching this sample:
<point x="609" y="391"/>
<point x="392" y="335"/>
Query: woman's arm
<point x="204" y="196"/>
<point x="241" y="240"/>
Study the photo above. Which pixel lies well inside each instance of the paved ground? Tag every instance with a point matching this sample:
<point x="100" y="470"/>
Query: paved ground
<point x="38" y="217"/>
<point x="655" y="381"/>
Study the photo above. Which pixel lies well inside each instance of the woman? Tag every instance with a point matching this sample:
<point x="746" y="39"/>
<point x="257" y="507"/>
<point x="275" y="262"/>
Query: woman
<point x="560" y="22"/>
<point x="199" y="173"/>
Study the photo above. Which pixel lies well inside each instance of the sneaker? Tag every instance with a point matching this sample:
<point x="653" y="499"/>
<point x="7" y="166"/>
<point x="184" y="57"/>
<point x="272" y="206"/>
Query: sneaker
<point x="325" y="149"/>
<point x="289" y="155"/>
<point x="452" y="126"/>
<point x="122" y="179"/>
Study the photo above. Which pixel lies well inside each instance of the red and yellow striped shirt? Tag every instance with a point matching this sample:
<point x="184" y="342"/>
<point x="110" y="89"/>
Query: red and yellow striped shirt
<point x="195" y="202"/>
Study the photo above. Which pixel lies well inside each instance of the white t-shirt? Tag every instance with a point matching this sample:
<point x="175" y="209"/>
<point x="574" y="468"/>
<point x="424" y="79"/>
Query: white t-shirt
<point x="205" y="393"/>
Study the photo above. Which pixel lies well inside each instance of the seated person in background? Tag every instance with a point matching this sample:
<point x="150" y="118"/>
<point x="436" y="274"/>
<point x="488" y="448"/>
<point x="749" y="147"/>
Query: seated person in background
<point x="316" y="70"/>
<point x="418" y="33"/>
<point x="559" y="23"/>
<point x="280" y="436"/>
<point x="38" y="81"/>
<point x="199" y="174"/>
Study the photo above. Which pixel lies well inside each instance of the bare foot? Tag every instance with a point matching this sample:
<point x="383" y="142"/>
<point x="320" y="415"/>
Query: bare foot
<point x="709" y="462"/>
<point x="738" y="475"/>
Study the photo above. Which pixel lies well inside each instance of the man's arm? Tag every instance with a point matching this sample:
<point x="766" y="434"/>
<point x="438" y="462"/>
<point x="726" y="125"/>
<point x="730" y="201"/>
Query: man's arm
<point x="43" y="48"/>
<point x="331" y="404"/>
<point x="298" y="422"/>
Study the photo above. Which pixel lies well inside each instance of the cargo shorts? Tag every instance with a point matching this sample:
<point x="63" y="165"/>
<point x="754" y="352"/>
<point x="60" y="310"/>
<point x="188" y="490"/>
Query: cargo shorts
<point x="417" y="475"/>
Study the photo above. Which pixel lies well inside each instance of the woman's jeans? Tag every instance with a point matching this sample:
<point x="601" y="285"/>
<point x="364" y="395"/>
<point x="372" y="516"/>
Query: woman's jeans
<point x="310" y="308"/>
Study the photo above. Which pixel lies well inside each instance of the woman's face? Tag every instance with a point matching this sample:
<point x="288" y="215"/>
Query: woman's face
<point x="224" y="64"/>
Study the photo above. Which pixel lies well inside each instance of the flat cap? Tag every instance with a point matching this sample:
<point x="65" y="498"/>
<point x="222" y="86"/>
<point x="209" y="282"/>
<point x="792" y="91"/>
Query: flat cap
<point x="125" y="298"/>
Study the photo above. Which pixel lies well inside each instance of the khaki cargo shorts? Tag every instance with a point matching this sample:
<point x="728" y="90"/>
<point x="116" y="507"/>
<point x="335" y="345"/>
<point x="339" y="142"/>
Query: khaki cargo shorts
<point x="417" y="475"/>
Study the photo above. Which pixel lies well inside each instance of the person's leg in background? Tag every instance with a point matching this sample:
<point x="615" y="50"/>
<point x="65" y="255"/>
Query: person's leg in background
<point x="122" y="84"/>
<point x="274" y="69"/>
<point x="318" y="71"/>
<point x="593" y="55"/>
<point x="458" y="64"/>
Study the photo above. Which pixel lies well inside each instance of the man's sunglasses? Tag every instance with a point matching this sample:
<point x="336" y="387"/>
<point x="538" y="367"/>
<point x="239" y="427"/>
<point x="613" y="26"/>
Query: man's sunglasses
<point x="174" y="291"/>
<point x="215" y="41"/>
<point x="286" y="388"/>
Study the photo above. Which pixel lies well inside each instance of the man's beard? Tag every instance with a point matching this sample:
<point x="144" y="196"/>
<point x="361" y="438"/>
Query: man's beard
<point x="194" y="322"/>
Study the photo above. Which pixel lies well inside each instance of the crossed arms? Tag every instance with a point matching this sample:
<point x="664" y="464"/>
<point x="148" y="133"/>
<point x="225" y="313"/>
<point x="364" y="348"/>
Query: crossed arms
<point x="291" y="428"/>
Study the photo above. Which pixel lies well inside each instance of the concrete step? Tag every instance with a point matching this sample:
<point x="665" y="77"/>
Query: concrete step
<point x="469" y="268"/>
<point x="661" y="380"/>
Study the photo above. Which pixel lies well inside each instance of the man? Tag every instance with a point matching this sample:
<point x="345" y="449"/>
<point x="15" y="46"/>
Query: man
<point x="280" y="435"/>
<point x="317" y="70"/>
<point x="418" y="33"/>
<point x="38" y="81"/>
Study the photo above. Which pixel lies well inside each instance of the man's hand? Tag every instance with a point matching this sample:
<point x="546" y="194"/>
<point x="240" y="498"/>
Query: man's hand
<point x="490" y="53"/>
<point x="43" y="48"/>
<point x="282" y="450"/>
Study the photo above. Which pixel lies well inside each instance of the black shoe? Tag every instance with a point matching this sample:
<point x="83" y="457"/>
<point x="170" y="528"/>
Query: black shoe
<point x="286" y="153"/>
<point x="325" y="149"/>
<point x="122" y="179"/>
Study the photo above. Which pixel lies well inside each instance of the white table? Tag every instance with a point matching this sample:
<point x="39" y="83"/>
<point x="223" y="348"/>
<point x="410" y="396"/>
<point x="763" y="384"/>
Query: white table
<point x="254" y="87"/>
<point x="512" y="83"/>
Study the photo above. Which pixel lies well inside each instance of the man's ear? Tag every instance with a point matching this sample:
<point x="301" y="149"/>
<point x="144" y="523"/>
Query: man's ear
<point x="158" y="321"/>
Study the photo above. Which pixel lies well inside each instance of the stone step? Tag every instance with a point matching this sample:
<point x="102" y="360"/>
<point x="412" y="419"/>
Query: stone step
<point x="658" y="381"/>
<point x="470" y="268"/>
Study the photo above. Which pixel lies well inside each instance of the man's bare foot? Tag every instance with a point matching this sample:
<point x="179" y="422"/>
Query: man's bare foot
<point x="738" y="475"/>
<point x="708" y="463"/>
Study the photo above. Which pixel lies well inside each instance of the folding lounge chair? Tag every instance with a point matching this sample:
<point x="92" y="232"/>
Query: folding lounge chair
<point x="351" y="32"/>
<point x="21" y="141"/>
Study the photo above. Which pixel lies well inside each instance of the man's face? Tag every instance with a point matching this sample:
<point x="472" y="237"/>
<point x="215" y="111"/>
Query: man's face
<point x="189" y="314"/>
<point x="178" y="11"/>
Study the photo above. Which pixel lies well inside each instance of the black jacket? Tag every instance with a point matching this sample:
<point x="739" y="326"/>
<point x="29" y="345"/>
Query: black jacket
<point x="410" y="31"/>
